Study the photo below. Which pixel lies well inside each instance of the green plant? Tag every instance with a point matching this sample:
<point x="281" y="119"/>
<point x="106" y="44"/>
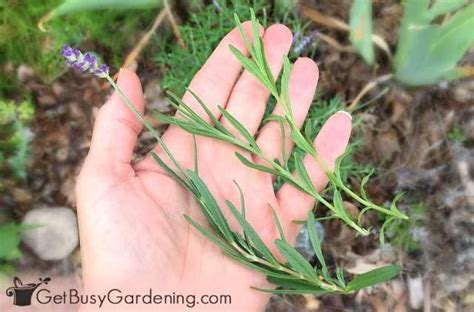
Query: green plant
<point x="201" y="33"/>
<point x="319" y="112"/>
<point x="361" y="29"/>
<point x="427" y="50"/>
<point x="14" y="136"/>
<point x="296" y="275"/>
<point x="433" y="38"/>
<point x="403" y="234"/>
<point x="10" y="236"/>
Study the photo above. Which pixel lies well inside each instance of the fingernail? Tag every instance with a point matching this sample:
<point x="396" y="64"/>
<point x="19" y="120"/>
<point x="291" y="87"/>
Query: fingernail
<point x="346" y="113"/>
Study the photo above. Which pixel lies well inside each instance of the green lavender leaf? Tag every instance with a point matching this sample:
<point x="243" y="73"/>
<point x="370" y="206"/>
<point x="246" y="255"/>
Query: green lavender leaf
<point x="363" y="183"/>
<point x="253" y="165"/>
<point x="296" y="260"/>
<point x="301" y="142"/>
<point x="291" y="283"/>
<point x="247" y="44"/>
<point x="171" y="172"/>
<point x="211" y="204"/>
<point x="248" y="64"/>
<point x="278" y="225"/>
<point x="303" y="173"/>
<point x="211" y="116"/>
<point x="258" y="244"/>
<point x="305" y="291"/>
<point x="285" y="86"/>
<point x="213" y="238"/>
<point x="239" y="127"/>
<point x="373" y="277"/>
<point x="316" y="244"/>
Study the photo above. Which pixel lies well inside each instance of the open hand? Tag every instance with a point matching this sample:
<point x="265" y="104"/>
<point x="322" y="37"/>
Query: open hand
<point x="133" y="234"/>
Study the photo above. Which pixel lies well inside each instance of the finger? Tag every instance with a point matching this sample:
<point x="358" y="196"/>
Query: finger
<point x="249" y="97"/>
<point x="116" y="128"/>
<point x="302" y="86"/>
<point x="215" y="80"/>
<point x="330" y="143"/>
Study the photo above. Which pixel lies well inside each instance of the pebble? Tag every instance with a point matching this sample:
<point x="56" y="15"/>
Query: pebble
<point x="56" y="236"/>
<point x="303" y="242"/>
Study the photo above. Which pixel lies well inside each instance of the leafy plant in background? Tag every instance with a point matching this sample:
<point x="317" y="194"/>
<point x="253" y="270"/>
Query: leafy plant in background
<point x="204" y="29"/>
<point x="404" y="234"/>
<point x="361" y="29"/>
<point x="14" y="136"/>
<point x="296" y="275"/>
<point x="428" y="51"/>
<point x="433" y="38"/>
<point x="10" y="236"/>
<point x="202" y="33"/>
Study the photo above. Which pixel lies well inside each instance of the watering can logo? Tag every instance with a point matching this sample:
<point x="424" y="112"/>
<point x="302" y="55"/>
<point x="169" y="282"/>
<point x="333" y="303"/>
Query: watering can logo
<point x="22" y="293"/>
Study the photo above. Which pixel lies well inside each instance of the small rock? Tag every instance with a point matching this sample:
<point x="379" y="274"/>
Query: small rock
<point x="24" y="73"/>
<point x="56" y="235"/>
<point x="303" y="242"/>
<point x="415" y="290"/>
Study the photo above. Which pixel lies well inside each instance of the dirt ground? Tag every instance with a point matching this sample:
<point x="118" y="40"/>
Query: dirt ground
<point x="407" y="134"/>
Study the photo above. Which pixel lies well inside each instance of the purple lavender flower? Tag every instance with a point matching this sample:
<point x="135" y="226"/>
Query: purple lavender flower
<point x="87" y="63"/>
<point x="305" y="41"/>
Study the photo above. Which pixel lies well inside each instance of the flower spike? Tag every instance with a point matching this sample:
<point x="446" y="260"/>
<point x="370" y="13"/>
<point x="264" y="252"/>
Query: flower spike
<point x="86" y="63"/>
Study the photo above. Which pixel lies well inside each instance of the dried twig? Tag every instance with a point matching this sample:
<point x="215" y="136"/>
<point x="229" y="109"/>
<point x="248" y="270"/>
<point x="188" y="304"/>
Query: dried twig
<point x="132" y="56"/>
<point x="369" y="86"/>
<point x="174" y="25"/>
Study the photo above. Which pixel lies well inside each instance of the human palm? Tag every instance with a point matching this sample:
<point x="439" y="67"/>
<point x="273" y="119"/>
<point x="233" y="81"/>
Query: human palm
<point x="133" y="234"/>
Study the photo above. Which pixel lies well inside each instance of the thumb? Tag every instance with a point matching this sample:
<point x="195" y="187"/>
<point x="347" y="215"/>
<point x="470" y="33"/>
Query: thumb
<point x="116" y="129"/>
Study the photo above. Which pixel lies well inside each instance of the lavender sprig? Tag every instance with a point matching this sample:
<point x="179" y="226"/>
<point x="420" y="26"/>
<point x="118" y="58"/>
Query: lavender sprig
<point x="86" y="63"/>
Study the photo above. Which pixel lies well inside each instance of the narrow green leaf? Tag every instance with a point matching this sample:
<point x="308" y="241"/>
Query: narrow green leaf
<point x="296" y="260"/>
<point x="253" y="165"/>
<point x="301" y="142"/>
<point x="247" y="44"/>
<point x="210" y="203"/>
<point x="316" y="243"/>
<point x="172" y="173"/>
<point x="340" y="277"/>
<point x="247" y="63"/>
<point x="291" y="283"/>
<point x="258" y="244"/>
<point x="363" y="183"/>
<point x="278" y="225"/>
<point x="211" y="116"/>
<point x="303" y="173"/>
<point x="75" y="6"/>
<point x="213" y="238"/>
<point x="373" y="277"/>
<point x="360" y="22"/>
<point x="315" y="291"/>
<point x="256" y="38"/>
<point x="239" y="127"/>
<point x="195" y="155"/>
<point x="285" y="87"/>
<point x="185" y="108"/>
